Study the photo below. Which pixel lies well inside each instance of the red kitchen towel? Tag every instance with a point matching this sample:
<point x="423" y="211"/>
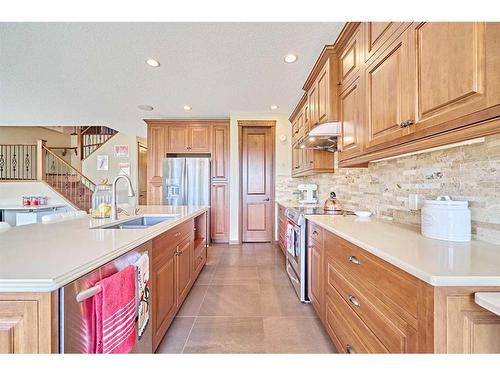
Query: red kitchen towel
<point x="116" y="311"/>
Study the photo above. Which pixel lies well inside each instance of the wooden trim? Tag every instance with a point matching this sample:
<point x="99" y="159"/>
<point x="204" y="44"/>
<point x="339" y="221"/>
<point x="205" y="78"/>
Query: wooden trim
<point x="256" y="123"/>
<point x="186" y="121"/>
<point x="298" y="108"/>
<point x="471" y="131"/>
<point x="328" y="51"/>
<point x="345" y="34"/>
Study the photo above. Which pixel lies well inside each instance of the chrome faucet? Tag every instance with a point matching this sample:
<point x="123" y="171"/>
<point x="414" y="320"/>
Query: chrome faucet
<point x="131" y="193"/>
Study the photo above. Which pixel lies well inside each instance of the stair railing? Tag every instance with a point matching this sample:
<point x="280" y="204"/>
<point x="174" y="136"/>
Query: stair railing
<point x="18" y="162"/>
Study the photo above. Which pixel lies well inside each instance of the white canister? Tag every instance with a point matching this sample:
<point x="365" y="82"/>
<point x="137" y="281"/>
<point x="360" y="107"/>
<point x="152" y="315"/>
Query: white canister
<point x="446" y="219"/>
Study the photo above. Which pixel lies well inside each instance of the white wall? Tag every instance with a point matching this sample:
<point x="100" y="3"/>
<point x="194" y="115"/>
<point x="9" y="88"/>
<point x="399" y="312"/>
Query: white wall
<point x="89" y="165"/>
<point x="11" y="193"/>
<point x="283" y="159"/>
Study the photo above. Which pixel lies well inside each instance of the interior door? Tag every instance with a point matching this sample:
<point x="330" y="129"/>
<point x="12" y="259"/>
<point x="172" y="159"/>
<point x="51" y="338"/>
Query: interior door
<point x="142" y="175"/>
<point x="257" y="176"/>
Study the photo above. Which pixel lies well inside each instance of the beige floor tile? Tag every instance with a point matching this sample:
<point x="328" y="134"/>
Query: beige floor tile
<point x="296" y="335"/>
<point x="232" y="300"/>
<point x="226" y="335"/>
<point x="206" y="275"/>
<point x="235" y="275"/>
<point x="273" y="274"/>
<point x="192" y="304"/>
<point x="281" y="300"/>
<point x="176" y="336"/>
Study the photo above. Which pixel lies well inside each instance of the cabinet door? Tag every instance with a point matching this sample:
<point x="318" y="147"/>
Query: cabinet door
<point x="387" y="94"/>
<point x="199" y="138"/>
<point x="219" y="212"/>
<point x="178" y="139"/>
<point x="18" y="327"/>
<point x="220" y="152"/>
<point x="164" y="294"/>
<point x="351" y="122"/>
<point x="295" y="161"/>
<point x="183" y="269"/>
<point x="315" y="276"/>
<point x="157" y="141"/>
<point x="448" y="61"/>
<point x="313" y="106"/>
<point x="378" y="33"/>
<point x="349" y="59"/>
<point x="323" y="96"/>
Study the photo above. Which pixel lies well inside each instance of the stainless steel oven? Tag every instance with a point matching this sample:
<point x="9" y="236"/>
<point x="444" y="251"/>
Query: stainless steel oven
<point x="296" y="252"/>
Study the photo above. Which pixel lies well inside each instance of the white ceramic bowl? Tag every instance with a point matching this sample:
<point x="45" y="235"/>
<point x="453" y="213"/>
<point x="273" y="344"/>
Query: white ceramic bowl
<point x="363" y="213"/>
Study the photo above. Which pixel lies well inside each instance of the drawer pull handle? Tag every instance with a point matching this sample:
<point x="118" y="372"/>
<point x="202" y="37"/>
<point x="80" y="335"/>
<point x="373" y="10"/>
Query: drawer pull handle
<point x="354" y="300"/>
<point x="315" y="233"/>
<point x="349" y="349"/>
<point x="354" y="260"/>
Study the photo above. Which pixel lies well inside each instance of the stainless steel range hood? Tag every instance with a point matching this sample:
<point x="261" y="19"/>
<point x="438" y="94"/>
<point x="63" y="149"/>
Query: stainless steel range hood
<point x="322" y="137"/>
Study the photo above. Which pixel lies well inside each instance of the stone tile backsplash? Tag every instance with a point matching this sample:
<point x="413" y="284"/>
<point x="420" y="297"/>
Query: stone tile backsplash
<point x="468" y="172"/>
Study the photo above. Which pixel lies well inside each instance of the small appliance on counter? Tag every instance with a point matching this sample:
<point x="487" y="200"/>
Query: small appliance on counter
<point x="332" y="203"/>
<point x="446" y="219"/>
<point x="308" y="193"/>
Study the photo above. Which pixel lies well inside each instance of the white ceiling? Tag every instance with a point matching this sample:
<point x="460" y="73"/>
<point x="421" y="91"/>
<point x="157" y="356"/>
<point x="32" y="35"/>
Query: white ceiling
<point x="95" y="73"/>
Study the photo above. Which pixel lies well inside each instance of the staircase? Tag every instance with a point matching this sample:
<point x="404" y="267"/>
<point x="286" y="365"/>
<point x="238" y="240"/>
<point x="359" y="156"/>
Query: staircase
<point x="92" y="138"/>
<point x="66" y="180"/>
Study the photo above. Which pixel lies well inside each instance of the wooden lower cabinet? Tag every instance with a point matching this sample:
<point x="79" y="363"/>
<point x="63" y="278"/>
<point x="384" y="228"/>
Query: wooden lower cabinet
<point x="28" y="323"/>
<point x="176" y="264"/>
<point x="219" y="212"/>
<point x="282" y="223"/>
<point x="315" y="270"/>
<point x="370" y="306"/>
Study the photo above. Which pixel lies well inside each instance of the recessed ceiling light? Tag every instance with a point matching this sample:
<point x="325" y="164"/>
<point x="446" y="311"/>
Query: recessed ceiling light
<point x="274" y="106"/>
<point x="303" y="146"/>
<point x="152" y="62"/>
<point x="187" y="107"/>
<point x="290" y="58"/>
<point x="145" y="107"/>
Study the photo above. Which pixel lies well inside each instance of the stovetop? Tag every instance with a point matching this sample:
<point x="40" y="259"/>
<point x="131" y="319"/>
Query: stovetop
<point x="319" y="211"/>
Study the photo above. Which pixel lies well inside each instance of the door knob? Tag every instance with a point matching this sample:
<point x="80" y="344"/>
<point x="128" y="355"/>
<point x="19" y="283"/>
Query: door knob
<point x="267" y="200"/>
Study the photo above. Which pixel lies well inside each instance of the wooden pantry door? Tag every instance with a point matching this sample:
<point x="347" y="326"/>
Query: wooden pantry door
<point x="257" y="180"/>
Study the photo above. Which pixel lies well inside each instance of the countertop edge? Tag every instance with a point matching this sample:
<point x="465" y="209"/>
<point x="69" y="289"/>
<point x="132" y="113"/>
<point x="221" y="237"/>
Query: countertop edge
<point x="482" y="300"/>
<point x="51" y="285"/>
<point x="434" y="280"/>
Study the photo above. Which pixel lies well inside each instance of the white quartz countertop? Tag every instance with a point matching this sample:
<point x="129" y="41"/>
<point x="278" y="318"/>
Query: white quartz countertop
<point x="45" y="257"/>
<point x="20" y="207"/>
<point x="439" y="263"/>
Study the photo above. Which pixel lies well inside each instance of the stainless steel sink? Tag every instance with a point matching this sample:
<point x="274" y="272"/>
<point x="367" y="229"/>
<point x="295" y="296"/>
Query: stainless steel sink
<point x="141" y="222"/>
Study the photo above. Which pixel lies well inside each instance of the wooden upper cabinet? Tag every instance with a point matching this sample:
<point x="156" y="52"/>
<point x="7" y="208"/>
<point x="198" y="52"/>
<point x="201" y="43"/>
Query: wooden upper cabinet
<point x="350" y="59"/>
<point x="351" y="115"/>
<point x="386" y="79"/>
<point x="157" y="140"/>
<point x="448" y="66"/>
<point x="323" y="95"/>
<point x="199" y="138"/>
<point x="376" y="34"/>
<point x="177" y="139"/>
<point x="220" y="152"/>
<point x="189" y="138"/>
<point x="312" y="100"/>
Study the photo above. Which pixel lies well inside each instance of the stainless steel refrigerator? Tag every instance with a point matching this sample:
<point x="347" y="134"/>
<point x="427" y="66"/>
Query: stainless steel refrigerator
<point x="186" y="181"/>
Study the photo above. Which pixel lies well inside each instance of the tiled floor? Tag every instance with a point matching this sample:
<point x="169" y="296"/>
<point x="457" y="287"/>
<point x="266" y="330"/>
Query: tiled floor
<point x="243" y="302"/>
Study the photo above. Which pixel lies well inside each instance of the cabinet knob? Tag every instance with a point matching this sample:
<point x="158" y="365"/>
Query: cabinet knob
<point x="406" y="123"/>
<point x="177" y="234"/>
<point x="354" y="300"/>
<point x="354" y="259"/>
<point x="349" y="349"/>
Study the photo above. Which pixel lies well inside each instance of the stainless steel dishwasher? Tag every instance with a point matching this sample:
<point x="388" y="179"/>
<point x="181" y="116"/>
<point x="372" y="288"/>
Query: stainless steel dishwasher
<point x="74" y="330"/>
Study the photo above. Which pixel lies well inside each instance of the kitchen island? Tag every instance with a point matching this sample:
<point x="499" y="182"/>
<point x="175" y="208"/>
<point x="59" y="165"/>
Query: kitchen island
<point x="39" y="259"/>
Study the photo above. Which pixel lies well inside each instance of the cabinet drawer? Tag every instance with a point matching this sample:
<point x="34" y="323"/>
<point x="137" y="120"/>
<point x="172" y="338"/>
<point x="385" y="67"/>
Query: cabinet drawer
<point x="391" y="285"/>
<point x="315" y="233"/>
<point x="199" y="260"/>
<point x="389" y="327"/>
<point x="171" y="238"/>
<point x="347" y="330"/>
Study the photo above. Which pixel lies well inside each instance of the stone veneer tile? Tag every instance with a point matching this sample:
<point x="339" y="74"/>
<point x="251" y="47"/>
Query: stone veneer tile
<point x="470" y="172"/>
